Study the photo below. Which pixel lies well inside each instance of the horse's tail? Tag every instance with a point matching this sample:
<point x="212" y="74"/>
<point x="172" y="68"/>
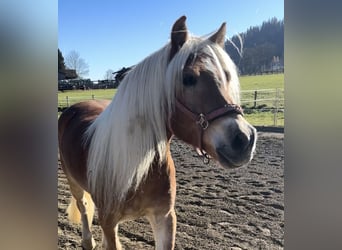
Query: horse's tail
<point x="73" y="212"/>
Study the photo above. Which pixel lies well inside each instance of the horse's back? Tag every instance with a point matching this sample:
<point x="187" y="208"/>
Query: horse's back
<point x="72" y="124"/>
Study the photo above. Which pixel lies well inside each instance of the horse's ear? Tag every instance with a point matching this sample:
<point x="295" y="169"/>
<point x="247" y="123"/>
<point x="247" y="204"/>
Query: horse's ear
<point x="179" y="35"/>
<point x="219" y="36"/>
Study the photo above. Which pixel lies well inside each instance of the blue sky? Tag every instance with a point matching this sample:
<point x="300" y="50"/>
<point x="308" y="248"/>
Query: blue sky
<point x="116" y="34"/>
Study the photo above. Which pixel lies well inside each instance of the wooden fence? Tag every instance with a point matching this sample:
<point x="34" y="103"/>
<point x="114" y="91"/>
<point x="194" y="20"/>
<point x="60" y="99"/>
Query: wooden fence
<point x="266" y="102"/>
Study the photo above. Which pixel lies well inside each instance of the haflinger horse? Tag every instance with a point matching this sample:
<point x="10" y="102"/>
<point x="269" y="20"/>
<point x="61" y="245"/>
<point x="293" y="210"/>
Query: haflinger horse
<point x="116" y="155"/>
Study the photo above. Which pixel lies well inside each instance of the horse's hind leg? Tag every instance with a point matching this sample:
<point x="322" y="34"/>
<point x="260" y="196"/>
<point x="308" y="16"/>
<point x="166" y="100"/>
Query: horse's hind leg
<point x="85" y="207"/>
<point x="164" y="229"/>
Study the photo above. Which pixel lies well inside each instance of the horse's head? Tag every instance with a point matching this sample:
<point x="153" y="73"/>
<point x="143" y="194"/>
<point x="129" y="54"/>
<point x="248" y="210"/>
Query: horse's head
<point x="206" y="111"/>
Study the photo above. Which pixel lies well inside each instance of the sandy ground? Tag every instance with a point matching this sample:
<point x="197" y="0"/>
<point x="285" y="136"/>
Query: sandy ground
<point x="216" y="208"/>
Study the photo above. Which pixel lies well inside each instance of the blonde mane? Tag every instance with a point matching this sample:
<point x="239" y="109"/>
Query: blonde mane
<point x="131" y="133"/>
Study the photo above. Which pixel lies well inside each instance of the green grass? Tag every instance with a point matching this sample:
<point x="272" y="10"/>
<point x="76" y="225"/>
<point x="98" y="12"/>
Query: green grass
<point x="262" y="82"/>
<point x="265" y="119"/>
<point x="108" y="93"/>
<point x="266" y="102"/>
<point x="248" y="85"/>
<point x="70" y="97"/>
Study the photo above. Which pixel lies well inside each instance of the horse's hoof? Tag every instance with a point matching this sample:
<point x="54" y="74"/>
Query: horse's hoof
<point x="89" y="245"/>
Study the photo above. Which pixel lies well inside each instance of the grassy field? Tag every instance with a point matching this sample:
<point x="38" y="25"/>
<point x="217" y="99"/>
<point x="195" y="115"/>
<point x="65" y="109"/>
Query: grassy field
<point x="262" y="82"/>
<point x="266" y="119"/>
<point x="86" y="93"/>
<point x="260" y="113"/>
<point x="70" y="97"/>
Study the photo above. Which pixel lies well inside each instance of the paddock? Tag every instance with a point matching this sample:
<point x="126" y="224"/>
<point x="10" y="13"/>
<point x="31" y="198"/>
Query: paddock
<point x="216" y="208"/>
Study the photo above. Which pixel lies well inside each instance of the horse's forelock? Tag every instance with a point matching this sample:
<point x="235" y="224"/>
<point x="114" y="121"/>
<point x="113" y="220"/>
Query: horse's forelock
<point x="226" y="63"/>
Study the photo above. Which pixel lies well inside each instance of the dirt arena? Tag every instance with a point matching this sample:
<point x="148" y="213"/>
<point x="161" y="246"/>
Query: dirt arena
<point x="216" y="208"/>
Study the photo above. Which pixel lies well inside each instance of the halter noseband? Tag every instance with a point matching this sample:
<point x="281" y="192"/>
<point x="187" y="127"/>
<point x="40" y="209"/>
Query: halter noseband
<point x="203" y="120"/>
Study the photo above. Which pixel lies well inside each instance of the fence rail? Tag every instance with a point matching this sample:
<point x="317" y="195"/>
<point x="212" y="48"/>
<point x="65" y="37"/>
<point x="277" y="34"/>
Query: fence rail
<point x="70" y="100"/>
<point x="268" y="102"/>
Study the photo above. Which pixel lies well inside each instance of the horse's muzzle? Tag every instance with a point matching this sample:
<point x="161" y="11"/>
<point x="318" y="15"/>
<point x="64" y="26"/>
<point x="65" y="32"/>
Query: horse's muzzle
<point x="239" y="151"/>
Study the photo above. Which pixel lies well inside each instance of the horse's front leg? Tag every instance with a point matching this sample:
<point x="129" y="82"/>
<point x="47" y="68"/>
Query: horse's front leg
<point x="164" y="229"/>
<point x="109" y="225"/>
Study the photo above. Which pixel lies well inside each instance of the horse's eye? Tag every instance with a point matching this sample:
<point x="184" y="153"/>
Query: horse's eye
<point x="189" y="80"/>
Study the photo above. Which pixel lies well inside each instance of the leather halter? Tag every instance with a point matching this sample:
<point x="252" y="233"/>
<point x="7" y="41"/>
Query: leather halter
<point x="203" y="120"/>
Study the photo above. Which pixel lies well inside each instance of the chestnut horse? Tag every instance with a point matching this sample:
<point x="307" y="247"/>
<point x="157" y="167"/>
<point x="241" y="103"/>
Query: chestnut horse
<point x="116" y="155"/>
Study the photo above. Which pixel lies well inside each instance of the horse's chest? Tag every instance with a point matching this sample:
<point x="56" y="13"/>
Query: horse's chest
<point x="156" y="192"/>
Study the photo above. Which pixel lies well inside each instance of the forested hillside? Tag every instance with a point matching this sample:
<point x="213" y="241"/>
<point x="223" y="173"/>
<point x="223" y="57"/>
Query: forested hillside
<point x="262" y="48"/>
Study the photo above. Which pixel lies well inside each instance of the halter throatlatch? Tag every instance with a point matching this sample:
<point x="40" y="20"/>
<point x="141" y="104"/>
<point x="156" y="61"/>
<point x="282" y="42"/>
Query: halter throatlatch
<point x="203" y="120"/>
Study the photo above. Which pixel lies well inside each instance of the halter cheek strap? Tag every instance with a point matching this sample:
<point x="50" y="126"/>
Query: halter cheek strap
<point x="203" y="120"/>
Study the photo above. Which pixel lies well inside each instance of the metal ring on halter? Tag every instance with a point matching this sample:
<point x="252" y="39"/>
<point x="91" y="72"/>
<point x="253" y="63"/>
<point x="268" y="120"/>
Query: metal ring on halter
<point x="206" y="157"/>
<point x="202" y="121"/>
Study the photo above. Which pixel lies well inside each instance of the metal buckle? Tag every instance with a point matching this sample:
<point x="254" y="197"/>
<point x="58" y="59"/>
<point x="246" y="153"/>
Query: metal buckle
<point x="206" y="158"/>
<point x="202" y="121"/>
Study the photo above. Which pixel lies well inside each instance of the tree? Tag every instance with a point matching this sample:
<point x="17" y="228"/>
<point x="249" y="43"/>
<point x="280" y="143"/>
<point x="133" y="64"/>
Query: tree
<point x="61" y="63"/>
<point x="109" y="75"/>
<point x="75" y="62"/>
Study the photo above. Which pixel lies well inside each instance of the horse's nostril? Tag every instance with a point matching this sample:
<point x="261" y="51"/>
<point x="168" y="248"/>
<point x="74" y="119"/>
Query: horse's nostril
<point x="240" y="142"/>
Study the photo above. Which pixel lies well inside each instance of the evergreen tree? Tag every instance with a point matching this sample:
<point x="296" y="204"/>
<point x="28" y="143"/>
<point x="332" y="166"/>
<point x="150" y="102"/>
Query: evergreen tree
<point x="61" y="64"/>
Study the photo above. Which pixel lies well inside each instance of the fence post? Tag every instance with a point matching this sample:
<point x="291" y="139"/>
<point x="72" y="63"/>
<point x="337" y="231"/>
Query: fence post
<point x="276" y="107"/>
<point x="255" y="97"/>
<point x="67" y="100"/>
